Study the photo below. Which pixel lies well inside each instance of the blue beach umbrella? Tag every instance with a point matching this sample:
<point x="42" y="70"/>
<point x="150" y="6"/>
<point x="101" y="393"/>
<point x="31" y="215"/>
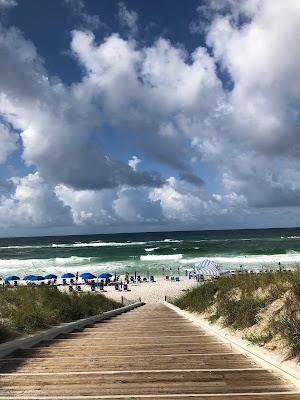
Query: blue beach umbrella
<point x="104" y="276"/>
<point x="37" y="278"/>
<point x="12" y="278"/>
<point x="27" y="277"/>
<point x="51" y="276"/>
<point x="68" y="275"/>
<point x="87" y="275"/>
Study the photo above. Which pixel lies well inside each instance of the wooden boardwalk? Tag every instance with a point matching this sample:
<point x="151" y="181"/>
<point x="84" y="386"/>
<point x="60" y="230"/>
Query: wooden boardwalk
<point x="150" y="352"/>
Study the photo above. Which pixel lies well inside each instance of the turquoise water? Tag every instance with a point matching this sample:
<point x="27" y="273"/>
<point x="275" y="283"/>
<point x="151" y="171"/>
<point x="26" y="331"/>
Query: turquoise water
<point x="149" y="252"/>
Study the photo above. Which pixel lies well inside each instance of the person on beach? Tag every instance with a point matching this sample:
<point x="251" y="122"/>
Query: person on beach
<point x="77" y="276"/>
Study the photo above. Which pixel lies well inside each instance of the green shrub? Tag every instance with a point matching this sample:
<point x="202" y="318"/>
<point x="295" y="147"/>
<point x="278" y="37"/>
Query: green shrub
<point x="261" y="339"/>
<point x="240" y="300"/>
<point x="240" y="313"/>
<point x="27" y="309"/>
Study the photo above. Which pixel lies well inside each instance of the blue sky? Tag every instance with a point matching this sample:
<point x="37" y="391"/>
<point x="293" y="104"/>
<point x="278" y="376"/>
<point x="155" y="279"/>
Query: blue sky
<point x="139" y="116"/>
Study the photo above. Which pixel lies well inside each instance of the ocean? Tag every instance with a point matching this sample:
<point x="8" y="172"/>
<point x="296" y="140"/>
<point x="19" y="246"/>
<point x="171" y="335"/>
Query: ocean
<point x="148" y="253"/>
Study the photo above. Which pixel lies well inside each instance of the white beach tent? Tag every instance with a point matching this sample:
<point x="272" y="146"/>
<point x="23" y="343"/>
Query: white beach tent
<point x="209" y="268"/>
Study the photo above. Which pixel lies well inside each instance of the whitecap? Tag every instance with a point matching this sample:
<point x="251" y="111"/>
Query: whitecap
<point x="154" y="257"/>
<point x="151" y="248"/>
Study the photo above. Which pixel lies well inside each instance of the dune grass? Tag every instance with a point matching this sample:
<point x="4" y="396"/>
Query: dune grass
<point x="25" y="310"/>
<point x="271" y="300"/>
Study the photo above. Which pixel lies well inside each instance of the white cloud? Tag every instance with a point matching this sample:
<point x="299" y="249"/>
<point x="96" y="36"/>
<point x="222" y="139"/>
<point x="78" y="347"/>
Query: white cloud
<point x="56" y="122"/>
<point x="134" y="162"/>
<point x="264" y="101"/>
<point x="33" y="203"/>
<point x="176" y="108"/>
<point x="88" y="207"/>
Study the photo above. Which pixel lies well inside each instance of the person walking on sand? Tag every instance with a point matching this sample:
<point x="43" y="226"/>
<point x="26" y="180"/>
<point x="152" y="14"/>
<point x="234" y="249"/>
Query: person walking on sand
<point x="77" y="276"/>
<point x="126" y="277"/>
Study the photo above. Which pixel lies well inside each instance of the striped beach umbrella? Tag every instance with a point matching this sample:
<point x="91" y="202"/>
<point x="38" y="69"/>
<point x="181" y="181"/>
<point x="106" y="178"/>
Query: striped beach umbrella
<point x="209" y="268"/>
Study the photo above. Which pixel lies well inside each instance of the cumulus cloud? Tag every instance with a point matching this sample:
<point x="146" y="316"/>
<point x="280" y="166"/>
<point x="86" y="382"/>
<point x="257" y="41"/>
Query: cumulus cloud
<point x="33" y="203"/>
<point x="155" y="92"/>
<point x="176" y="107"/>
<point x="265" y="99"/>
<point x="112" y="207"/>
<point x="57" y="122"/>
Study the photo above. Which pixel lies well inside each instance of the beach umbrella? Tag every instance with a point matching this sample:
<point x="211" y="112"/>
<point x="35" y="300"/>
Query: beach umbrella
<point x="51" y="276"/>
<point x="104" y="276"/>
<point x="68" y="275"/>
<point x="12" y="278"/>
<point x="37" y="278"/>
<point x="87" y="275"/>
<point x="209" y="268"/>
<point x="27" y="277"/>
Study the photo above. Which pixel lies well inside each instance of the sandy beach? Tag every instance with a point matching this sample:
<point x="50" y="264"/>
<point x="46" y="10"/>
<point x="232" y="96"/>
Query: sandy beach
<point x="151" y="292"/>
<point x="148" y="292"/>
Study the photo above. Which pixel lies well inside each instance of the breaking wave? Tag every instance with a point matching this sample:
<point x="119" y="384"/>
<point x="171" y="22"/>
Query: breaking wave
<point x="153" y="257"/>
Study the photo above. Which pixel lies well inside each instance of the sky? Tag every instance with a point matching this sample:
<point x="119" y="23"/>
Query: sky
<point x="139" y="115"/>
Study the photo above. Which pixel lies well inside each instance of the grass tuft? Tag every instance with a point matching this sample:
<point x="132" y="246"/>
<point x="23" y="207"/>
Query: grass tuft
<point x="242" y="302"/>
<point x="27" y="309"/>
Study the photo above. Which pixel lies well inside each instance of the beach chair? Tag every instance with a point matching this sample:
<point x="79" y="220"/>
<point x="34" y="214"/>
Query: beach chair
<point x="72" y="281"/>
<point x="139" y="279"/>
<point x="116" y="286"/>
<point x="64" y="281"/>
<point x="71" y="289"/>
<point x="78" y="288"/>
<point x="15" y="283"/>
<point x="132" y="279"/>
<point x="177" y="279"/>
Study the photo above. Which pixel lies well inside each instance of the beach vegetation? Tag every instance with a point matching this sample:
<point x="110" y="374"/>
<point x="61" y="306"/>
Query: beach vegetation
<point x="265" y="308"/>
<point x="24" y="310"/>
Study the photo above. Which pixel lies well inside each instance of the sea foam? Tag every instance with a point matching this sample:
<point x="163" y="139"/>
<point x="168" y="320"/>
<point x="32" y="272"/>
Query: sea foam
<point x="162" y="257"/>
<point x="250" y="260"/>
